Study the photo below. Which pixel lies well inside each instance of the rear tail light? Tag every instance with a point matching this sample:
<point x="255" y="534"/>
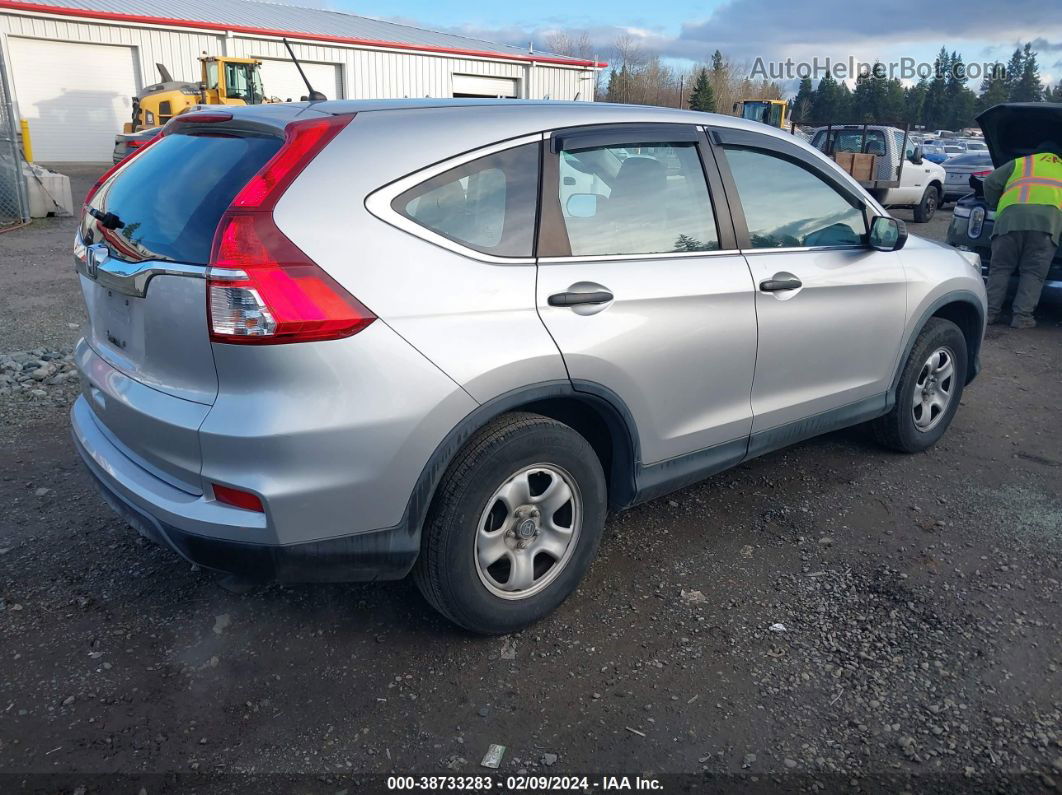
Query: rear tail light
<point x="262" y="288"/>
<point x="982" y="174"/>
<point x="976" y="223"/>
<point x="237" y="498"/>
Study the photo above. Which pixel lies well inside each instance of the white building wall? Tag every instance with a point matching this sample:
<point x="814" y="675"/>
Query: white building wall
<point x="367" y="73"/>
<point x="178" y="50"/>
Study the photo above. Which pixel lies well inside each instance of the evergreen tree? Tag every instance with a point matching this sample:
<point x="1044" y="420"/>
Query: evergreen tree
<point x="620" y="85"/>
<point x="994" y="89"/>
<point x="1056" y="94"/>
<point x="1028" y="87"/>
<point x="844" y="102"/>
<point x="702" y="97"/>
<point x="895" y="109"/>
<point x="960" y="101"/>
<point x="824" y="108"/>
<point x="935" y="110"/>
<point x="1014" y="70"/>
<point x="804" y="101"/>
<point x="862" y="100"/>
<point x="718" y="64"/>
<point x="611" y="90"/>
<point x="914" y="101"/>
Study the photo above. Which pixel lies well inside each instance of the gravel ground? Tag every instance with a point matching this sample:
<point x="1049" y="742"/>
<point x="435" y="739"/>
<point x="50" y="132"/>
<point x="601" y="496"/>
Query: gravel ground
<point x="827" y="617"/>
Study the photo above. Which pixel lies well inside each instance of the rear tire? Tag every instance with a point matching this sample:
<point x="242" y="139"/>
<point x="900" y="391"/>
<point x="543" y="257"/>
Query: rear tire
<point x="929" y="390"/>
<point x="520" y="470"/>
<point x="927" y="208"/>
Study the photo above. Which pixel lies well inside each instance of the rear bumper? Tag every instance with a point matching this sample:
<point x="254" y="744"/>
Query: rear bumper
<point x="200" y="529"/>
<point x="958" y="236"/>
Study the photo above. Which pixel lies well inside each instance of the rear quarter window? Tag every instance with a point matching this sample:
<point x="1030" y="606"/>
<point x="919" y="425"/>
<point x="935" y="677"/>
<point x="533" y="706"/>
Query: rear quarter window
<point x="488" y="204"/>
<point x="170" y="198"/>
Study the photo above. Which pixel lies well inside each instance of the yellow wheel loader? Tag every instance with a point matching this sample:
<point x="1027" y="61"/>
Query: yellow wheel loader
<point x="768" y="111"/>
<point x="225" y="81"/>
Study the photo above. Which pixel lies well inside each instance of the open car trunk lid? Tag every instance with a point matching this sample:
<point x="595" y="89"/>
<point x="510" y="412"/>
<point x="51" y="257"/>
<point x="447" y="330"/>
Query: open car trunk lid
<point x="1016" y="129"/>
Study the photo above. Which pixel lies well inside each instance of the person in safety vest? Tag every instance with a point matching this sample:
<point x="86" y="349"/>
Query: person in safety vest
<point x="1026" y="194"/>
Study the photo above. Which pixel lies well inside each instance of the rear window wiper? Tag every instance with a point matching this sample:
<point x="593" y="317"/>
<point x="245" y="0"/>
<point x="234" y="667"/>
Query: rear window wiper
<point x="107" y="220"/>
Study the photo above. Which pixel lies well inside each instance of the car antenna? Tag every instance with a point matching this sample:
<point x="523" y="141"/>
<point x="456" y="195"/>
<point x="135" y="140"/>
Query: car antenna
<point x="312" y="96"/>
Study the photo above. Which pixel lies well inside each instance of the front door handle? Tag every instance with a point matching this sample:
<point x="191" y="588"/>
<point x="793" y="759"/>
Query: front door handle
<point x="576" y="299"/>
<point x="781" y="281"/>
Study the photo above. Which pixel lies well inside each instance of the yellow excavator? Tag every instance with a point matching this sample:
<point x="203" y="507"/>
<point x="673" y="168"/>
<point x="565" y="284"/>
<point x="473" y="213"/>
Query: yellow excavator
<point x="224" y="81"/>
<point x="768" y="111"/>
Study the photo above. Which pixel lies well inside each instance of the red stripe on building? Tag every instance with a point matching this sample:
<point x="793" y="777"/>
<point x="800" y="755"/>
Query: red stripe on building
<point x="114" y="16"/>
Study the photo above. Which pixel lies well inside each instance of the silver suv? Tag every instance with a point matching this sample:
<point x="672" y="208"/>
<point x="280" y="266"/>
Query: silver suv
<point x="351" y="340"/>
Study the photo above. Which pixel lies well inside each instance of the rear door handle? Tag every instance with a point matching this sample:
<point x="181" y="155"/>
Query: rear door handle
<point x="576" y="299"/>
<point x="781" y="281"/>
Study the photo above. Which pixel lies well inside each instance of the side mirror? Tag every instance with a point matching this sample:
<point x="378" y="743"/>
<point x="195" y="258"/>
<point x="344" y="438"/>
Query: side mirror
<point x="581" y="205"/>
<point x="887" y="234"/>
<point x="916" y="155"/>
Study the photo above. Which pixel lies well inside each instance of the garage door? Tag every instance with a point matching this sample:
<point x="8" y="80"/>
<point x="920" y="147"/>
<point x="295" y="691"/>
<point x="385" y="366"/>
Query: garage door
<point x="75" y="96"/>
<point x="281" y="79"/>
<point x="479" y="86"/>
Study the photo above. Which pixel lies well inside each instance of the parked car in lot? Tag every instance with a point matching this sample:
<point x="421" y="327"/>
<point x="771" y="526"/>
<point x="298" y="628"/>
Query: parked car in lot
<point x="959" y="169"/>
<point x="1011" y="130"/>
<point x="902" y="178"/>
<point x="933" y="151"/>
<point x="316" y="365"/>
<point x="127" y="143"/>
<point x="954" y="149"/>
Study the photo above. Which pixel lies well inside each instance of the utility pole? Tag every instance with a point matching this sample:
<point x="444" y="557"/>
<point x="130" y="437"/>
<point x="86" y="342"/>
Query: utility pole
<point x="682" y="89"/>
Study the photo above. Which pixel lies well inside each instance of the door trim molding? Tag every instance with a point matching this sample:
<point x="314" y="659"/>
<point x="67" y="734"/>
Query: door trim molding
<point x="827" y="421"/>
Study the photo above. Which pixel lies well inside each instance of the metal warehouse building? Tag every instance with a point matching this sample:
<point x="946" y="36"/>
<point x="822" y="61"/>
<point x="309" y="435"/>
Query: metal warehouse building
<point x="74" y="65"/>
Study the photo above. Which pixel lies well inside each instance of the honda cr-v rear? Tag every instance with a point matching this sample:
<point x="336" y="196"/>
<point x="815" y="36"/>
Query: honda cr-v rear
<point x="346" y="341"/>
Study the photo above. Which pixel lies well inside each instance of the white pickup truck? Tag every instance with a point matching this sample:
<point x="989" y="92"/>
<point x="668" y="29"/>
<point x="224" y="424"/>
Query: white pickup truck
<point x="902" y="178"/>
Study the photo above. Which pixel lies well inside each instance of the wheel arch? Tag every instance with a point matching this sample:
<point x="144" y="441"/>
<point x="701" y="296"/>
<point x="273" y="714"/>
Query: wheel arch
<point x="593" y="411"/>
<point x="962" y="308"/>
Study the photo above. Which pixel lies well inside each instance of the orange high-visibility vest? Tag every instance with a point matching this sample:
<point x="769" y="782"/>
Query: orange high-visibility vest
<point x="1037" y="179"/>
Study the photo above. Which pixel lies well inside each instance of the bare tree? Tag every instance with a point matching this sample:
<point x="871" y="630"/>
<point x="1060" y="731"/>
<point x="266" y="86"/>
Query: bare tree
<point x="639" y="77"/>
<point x="574" y="44"/>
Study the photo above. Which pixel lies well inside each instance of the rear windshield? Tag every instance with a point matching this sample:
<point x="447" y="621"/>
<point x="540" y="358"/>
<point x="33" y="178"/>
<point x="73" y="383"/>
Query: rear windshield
<point x="979" y="159"/>
<point x="169" y="200"/>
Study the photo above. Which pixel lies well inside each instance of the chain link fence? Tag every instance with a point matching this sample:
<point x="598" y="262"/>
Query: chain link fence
<point x="14" y="204"/>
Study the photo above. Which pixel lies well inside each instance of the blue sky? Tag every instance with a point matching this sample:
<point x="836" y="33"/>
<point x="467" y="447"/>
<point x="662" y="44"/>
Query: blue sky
<point x="686" y="32"/>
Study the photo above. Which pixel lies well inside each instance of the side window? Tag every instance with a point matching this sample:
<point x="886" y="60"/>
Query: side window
<point x="487" y="204"/>
<point x="212" y="75"/>
<point x="789" y="206"/>
<point x="649" y="199"/>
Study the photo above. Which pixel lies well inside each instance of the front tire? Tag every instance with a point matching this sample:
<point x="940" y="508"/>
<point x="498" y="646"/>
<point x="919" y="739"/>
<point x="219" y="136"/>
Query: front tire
<point x="927" y="208"/>
<point x="514" y="524"/>
<point x="929" y="390"/>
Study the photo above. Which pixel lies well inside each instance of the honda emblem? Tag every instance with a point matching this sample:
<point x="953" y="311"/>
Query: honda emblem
<point x="96" y="255"/>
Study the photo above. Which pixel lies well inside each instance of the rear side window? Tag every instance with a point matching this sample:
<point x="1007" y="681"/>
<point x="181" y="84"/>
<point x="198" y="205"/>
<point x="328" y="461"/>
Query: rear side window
<point x="852" y="141"/>
<point x="487" y="204"/>
<point x="170" y="198"/>
<point x="766" y="186"/>
<point x="636" y="200"/>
